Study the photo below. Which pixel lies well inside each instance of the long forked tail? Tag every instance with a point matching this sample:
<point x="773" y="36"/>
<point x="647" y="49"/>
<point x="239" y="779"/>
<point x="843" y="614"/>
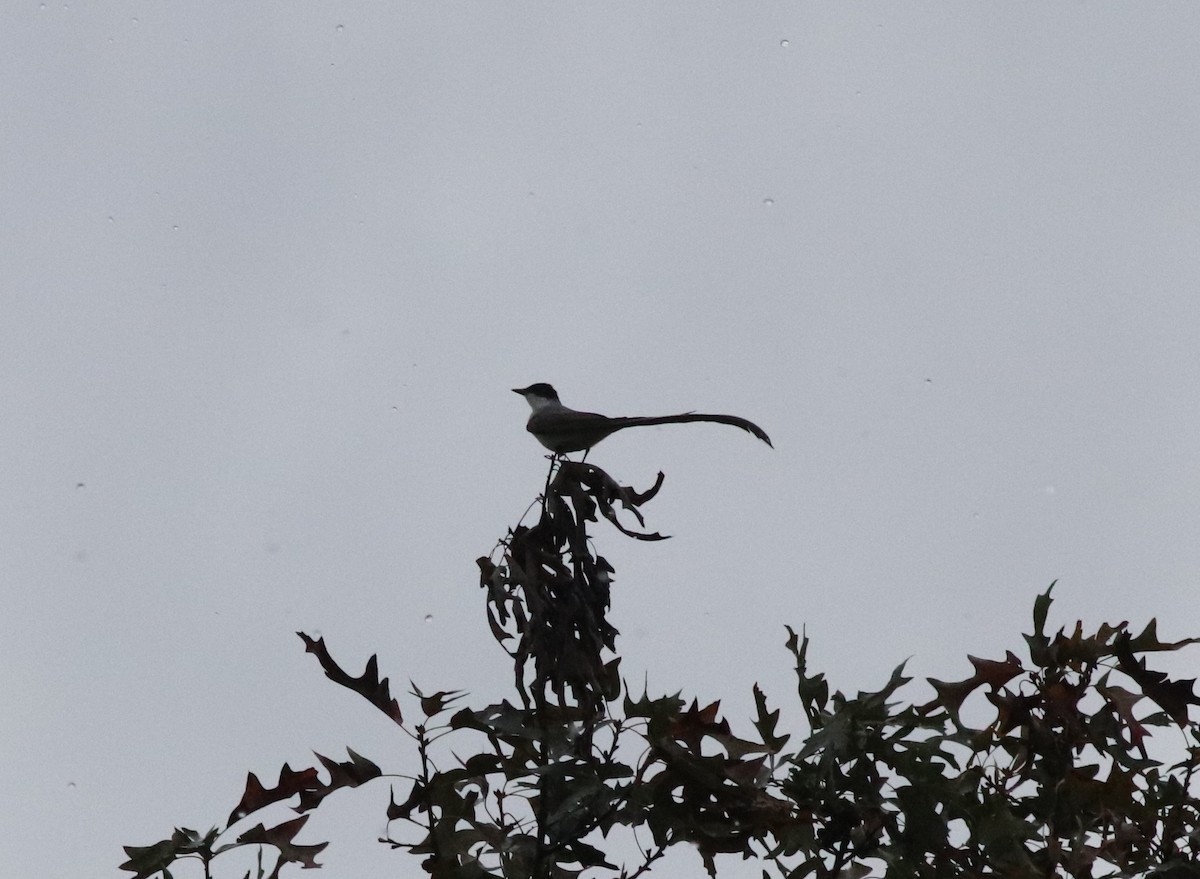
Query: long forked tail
<point x="744" y="424"/>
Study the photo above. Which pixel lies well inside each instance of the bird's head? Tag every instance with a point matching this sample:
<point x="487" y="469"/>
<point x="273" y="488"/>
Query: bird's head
<point x="538" y="395"/>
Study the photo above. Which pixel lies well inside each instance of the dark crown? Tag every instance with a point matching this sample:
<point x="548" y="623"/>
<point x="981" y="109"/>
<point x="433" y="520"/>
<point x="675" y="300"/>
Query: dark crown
<point x="541" y="389"/>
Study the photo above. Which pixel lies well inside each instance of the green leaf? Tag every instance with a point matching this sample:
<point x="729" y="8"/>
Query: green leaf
<point x="281" y="837"/>
<point x="146" y="860"/>
<point x="1147" y="641"/>
<point x="1041" y="607"/>
<point x="813" y="690"/>
<point x="766" y="721"/>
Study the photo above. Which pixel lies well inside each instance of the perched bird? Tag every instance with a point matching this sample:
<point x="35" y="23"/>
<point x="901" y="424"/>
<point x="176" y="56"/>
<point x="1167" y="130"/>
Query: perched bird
<point x="562" y="429"/>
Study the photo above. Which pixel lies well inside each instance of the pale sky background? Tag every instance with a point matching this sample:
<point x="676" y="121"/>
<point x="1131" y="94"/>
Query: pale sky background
<point x="269" y="271"/>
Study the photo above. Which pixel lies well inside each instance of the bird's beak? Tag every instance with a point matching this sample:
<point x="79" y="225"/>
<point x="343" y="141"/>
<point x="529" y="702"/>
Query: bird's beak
<point x="519" y="390"/>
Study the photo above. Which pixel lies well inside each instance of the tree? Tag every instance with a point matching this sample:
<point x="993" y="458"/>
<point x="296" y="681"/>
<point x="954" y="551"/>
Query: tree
<point x="1078" y="760"/>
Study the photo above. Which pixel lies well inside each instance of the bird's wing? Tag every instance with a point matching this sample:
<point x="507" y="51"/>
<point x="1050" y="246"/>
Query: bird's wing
<point x="559" y="420"/>
<point x="570" y="431"/>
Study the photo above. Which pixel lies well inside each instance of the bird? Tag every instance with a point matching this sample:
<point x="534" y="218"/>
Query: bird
<point x="562" y="429"/>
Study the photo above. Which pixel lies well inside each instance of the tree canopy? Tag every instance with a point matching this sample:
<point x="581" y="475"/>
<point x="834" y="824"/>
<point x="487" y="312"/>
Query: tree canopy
<point x="1073" y="758"/>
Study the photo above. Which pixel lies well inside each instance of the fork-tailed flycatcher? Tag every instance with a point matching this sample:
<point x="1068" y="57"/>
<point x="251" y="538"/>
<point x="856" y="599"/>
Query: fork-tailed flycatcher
<point x="562" y="429"/>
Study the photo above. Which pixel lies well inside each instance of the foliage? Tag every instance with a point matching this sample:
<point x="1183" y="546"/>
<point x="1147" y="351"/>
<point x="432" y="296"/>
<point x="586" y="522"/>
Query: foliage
<point x="1027" y="768"/>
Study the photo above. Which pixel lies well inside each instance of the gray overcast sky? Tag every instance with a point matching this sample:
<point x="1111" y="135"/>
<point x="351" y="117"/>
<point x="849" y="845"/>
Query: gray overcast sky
<point x="269" y="270"/>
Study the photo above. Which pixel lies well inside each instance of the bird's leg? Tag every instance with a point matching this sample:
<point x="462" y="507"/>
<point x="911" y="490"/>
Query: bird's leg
<point x="553" y="458"/>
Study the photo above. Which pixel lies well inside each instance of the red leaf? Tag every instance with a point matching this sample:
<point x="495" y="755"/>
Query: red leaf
<point x="256" y="796"/>
<point x="1122" y="701"/>
<point x="994" y="673"/>
<point x="368" y="685"/>
<point x="353" y="772"/>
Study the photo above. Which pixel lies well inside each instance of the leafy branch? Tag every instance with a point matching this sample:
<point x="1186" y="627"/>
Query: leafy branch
<point x="1078" y="760"/>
